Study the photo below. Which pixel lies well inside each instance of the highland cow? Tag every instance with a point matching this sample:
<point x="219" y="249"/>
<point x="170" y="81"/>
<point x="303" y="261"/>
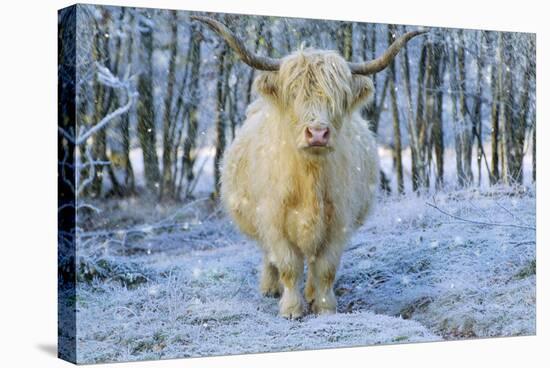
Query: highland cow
<point x="302" y="172"/>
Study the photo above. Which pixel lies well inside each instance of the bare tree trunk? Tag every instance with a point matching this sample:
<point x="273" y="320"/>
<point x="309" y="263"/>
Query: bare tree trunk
<point x="260" y="34"/>
<point x="417" y="129"/>
<point x="111" y="100"/>
<point x="372" y="112"/>
<point x="505" y="88"/>
<point x="396" y="125"/>
<point x="521" y="121"/>
<point x="426" y="137"/>
<point x="129" y="177"/>
<point x="167" y="184"/>
<point x="495" y="113"/>
<point x="533" y="67"/>
<point x="534" y="153"/>
<point x="146" y="113"/>
<point x="219" y="120"/>
<point x="476" y="121"/>
<point x="181" y="116"/>
<point x="99" y="145"/>
<point x="188" y="158"/>
<point x="466" y="131"/>
<point x="458" y="127"/>
<point x="288" y="43"/>
<point x="437" y="135"/>
<point x="269" y="39"/>
<point x="346" y="40"/>
<point x="412" y="126"/>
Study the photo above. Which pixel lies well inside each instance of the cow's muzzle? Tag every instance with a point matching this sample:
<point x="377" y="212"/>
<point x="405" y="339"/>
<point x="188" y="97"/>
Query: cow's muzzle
<point x="317" y="136"/>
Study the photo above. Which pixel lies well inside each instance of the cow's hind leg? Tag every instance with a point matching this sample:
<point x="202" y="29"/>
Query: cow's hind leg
<point x="269" y="282"/>
<point x="290" y="263"/>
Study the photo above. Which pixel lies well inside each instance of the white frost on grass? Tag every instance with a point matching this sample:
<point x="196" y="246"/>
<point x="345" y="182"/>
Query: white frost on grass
<point x="410" y="274"/>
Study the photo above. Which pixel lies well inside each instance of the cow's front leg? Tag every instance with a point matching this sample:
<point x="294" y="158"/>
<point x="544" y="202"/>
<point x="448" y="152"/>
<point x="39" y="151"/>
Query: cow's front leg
<point x="269" y="282"/>
<point x="324" y="273"/>
<point x="290" y="263"/>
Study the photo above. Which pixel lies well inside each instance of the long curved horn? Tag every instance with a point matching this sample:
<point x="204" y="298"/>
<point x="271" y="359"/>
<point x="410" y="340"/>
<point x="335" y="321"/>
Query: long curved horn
<point x="380" y="63"/>
<point x="255" y="61"/>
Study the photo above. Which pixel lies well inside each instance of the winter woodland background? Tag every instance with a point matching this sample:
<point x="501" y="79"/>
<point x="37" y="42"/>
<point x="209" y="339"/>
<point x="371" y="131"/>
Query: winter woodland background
<point x="449" y="253"/>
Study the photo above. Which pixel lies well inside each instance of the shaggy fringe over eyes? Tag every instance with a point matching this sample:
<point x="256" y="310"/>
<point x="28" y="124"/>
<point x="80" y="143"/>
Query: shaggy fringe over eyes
<point x="316" y="80"/>
<point x="312" y="75"/>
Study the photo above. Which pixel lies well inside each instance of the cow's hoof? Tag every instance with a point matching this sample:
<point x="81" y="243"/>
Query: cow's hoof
<point x="324" y="305"/>
<point x="271" y="293"/>
<point x="321" y="310"/>
<point x="291" y="307"/>
<point x="296" y="314"/>
<point x="271" y="289"/>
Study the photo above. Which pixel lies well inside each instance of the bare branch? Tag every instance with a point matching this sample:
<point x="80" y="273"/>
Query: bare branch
<point x="106" y="120"/>
<point x="107" y="78"/>
<point x="476" y="222"/>
<point x="90" y="178"/>
<point x="79" y="206"/>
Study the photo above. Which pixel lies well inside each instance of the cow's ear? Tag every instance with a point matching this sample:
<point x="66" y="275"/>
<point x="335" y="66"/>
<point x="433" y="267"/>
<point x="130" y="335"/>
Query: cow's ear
<point x="363" y="91"/>
<point x="266" y="84"/>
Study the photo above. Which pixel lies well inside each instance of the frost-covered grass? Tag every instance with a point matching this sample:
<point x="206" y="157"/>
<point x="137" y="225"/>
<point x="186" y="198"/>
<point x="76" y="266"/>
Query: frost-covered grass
<point x="458" y="279"/>
<point x="410" y="274"/>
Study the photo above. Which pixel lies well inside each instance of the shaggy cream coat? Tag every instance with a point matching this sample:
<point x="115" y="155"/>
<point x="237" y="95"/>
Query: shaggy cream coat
<point x="302" y="203"/>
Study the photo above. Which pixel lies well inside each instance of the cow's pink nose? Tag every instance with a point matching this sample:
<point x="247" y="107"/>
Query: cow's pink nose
<point x="317" y="136"/>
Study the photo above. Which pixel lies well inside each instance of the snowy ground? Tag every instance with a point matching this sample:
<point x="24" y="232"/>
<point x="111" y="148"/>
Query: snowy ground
<point x="183" y="281"/>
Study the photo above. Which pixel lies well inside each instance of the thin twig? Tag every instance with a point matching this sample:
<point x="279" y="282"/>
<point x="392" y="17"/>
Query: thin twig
<point x="515" y="244"/>
<point x="509" y="212"/>
<point x="475" y="222"/>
